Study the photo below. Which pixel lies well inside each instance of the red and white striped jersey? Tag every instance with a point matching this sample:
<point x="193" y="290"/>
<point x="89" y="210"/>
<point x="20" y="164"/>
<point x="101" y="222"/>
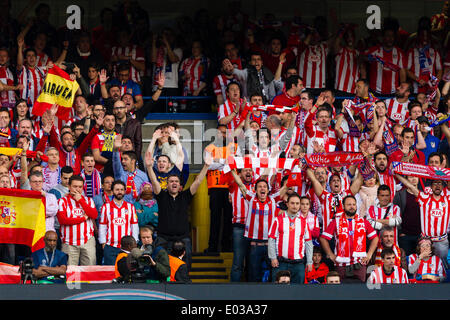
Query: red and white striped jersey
<point x="295" y="139"/>
<point x="397" y="111"/>
<point x="313" y="133"/>
<point x="7" y="78"/>
<point x="312" y="66"/>
<point x="42" y="59"/>
<point x="382" y="79"/>
<point x="32" y="79"/>
<point x="434" y="214"/>
<point x="136" y="53"/>
<point x="313" y="223"/>
<point x="389" y="180"/>
<point x="397" y="276"/>
<point x="194" y="71"/>
<point x="238" y="203"/>
<point x="119" y="222"/>
<point x="75" y="229"/>
<point x="332" y="231"/>
<point x="433" y="63"/>
<point x="225" y="110"/>
<point x="347" y="70"/>
<point x="391" y="212"/>
<point x="290" y="235"/>
<point x="349" y="143"/>
<point x="433" y="266"/>
<point x="259" y="217"/>
<point x="220" y="83"/>
<point x="332" y="205"/>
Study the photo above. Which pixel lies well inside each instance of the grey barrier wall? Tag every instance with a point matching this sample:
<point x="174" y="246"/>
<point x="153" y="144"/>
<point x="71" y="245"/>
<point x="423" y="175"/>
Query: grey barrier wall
<point x="233" y="292"/>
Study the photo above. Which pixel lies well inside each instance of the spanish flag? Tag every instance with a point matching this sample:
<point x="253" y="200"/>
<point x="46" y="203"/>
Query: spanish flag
<point x="58" y="89"/>
<point x="22" y="217"/>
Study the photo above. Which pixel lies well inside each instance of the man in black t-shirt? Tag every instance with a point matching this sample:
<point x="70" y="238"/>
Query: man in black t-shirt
<point x="173" y="204"/>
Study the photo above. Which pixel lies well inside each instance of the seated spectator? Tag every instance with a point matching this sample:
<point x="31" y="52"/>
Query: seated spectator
<point x="320" y="269"/>
<point x="50" y="264"/>
<point x="333" y="278"/>
<point x="424" y="265"/>
<point x="178" y="268"/>
<point x="283" y="277"/>
<point x="118" y="219"/>
<point x="146" y="206"/>
<point x="388" y="272"/>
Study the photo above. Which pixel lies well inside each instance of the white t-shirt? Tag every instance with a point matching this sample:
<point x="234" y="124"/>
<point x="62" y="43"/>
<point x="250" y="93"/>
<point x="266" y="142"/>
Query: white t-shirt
<point x="171" y="69"/>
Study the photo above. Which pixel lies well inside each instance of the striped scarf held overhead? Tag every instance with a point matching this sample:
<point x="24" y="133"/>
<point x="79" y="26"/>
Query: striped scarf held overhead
<point x="96" y="183"/>
<point x="131" y="185"/>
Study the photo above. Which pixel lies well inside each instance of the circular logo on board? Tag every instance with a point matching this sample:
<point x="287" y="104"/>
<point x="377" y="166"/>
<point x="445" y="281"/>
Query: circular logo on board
<point x="124" y="294"/>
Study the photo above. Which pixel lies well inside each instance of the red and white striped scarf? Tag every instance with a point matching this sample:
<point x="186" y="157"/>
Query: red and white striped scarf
<point x="96" y="182"/>
<point x="359" y="239"/>
<point x="131" y="185"/>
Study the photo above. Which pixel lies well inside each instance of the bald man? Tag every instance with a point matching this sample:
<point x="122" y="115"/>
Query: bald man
<point x="50" y="264"/>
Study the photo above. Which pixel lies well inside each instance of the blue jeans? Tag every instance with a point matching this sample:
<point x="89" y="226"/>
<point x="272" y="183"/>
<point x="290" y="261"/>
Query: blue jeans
<point x="297" y="271"/>
<point x="240" y="246"/>
<point x="257" y="256"/>
<point x="110" y="255"/>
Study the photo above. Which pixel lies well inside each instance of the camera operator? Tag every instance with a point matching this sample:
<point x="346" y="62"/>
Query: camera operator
<point x="150" y="263"/>
<point x="159" y="257"/>
<point x="50" y="264"/>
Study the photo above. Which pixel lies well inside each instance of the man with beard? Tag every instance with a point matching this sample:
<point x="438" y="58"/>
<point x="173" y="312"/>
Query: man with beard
<point x="127" y="126"/>
<point x="434" y="214"/>
<point x="332" y="202"/>
<point x="240" y="211"/>
<point x="219" y="203"/>
<point x="350" y="232"/>
<point x="118" y="219"/>
<point x="68" y="155"/>
<point x="398" y="106"/>
<point x="381" y="168"/>
<point x="25" y="129"/>
<point x="221" y="81"/>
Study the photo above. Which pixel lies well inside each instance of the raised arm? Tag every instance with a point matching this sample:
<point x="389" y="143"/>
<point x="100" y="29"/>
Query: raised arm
<point x="408" y="184"/>
<point x="180" y="154"/>
<point x="318" y="189"/>
<point x="149" y="162"/>
<point x="357" y="184"/>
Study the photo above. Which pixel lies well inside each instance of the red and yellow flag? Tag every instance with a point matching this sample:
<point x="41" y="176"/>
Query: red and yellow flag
<point x="58" y="89"/>
<point x="22" y="217"/>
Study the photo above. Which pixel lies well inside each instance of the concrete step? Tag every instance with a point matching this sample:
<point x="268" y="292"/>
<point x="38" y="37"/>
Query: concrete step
<point x="211" y="268"/>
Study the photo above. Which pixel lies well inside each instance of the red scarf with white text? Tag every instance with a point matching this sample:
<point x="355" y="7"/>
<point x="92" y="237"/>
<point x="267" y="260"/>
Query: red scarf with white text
<point x="359" y="239"/>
